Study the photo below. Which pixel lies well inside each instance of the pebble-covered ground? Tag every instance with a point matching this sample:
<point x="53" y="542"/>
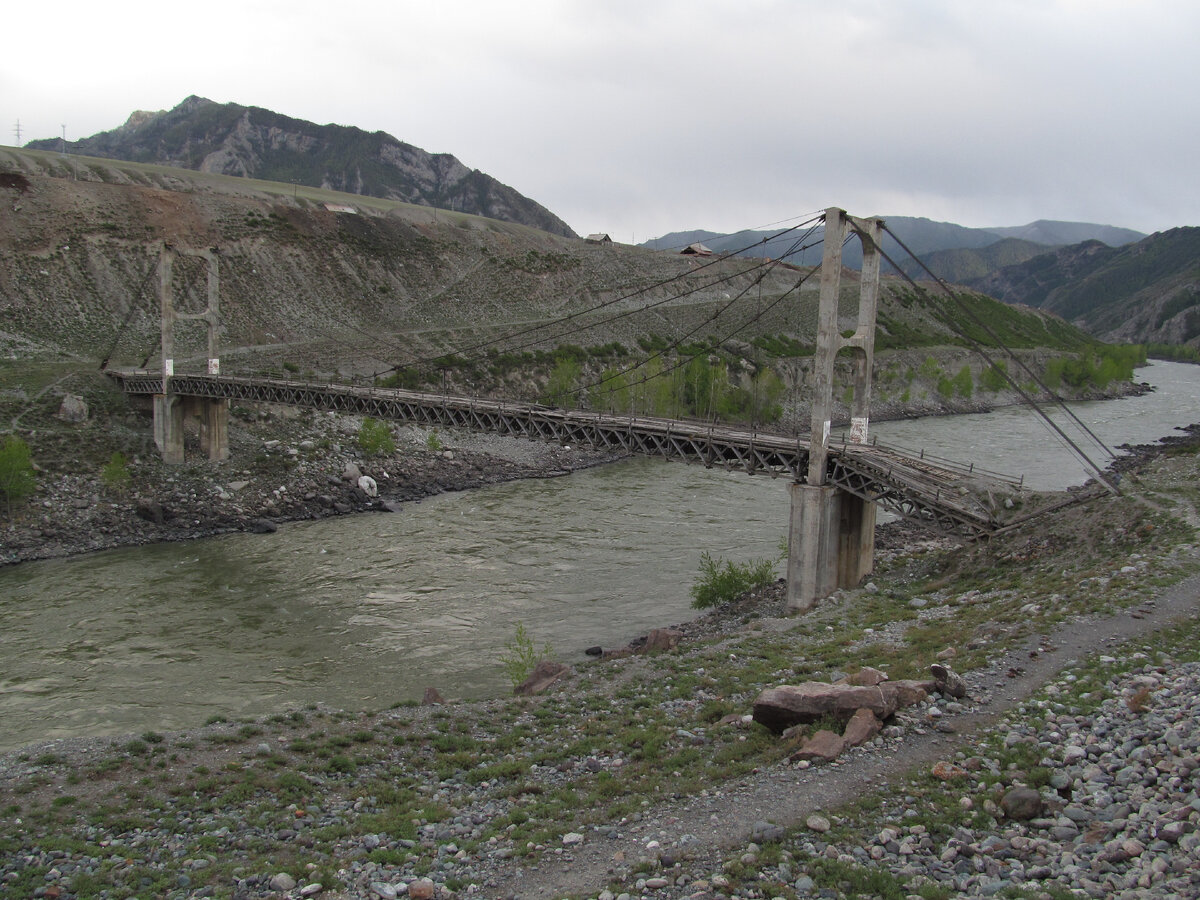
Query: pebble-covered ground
<point x="643" y="776"/>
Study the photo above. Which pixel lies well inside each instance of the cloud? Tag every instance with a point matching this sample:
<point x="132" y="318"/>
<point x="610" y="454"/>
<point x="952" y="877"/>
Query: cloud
<point x="644" y="118"/>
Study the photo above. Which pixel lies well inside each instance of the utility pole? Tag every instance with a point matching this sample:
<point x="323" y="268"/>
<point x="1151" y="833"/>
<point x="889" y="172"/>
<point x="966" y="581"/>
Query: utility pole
<point x="17" y="132"/>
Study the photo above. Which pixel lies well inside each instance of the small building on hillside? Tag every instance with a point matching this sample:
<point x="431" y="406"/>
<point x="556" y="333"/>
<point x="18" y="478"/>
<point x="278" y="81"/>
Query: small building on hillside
<point x="598" y="239"/>
<point x="696" y="249"/>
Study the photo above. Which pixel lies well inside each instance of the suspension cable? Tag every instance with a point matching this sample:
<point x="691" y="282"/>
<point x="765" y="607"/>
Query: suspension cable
<point x="977" y="347"/>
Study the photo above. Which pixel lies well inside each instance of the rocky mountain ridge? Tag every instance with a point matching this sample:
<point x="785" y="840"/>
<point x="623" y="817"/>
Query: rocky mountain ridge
<point x="1146" y="292"/>
<point x="251" y="142"/>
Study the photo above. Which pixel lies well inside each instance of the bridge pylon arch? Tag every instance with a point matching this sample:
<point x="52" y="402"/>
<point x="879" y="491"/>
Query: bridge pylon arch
<point x="831" y="535"/>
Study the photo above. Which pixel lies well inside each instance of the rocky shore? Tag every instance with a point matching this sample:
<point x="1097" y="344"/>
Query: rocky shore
<point x="283" y="468"/>
<point x="1069" y="768"/>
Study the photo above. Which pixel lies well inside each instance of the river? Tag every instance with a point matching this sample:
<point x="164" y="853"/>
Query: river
<point x="365" y="611"/>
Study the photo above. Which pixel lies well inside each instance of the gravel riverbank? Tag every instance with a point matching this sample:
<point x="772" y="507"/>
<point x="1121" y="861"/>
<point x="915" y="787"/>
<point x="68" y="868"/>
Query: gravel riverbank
<point x="643" y="776"/>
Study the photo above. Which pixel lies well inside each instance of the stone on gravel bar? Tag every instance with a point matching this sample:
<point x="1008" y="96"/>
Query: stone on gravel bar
<point x="1022" y="804"/>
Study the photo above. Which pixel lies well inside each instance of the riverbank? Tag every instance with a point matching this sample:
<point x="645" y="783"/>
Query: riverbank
<point x="644" y="776"/>
<point x="285" y="465"/>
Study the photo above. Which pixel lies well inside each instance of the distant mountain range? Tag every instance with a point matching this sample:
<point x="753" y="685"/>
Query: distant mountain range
<point x="229" y="139"/>
<point x="923" y="236"/>
<point x="1115" y="283"/>
<point x="1146" y="292"/>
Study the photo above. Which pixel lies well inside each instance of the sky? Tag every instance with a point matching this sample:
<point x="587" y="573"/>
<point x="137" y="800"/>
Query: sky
<point x="642" y="117"/>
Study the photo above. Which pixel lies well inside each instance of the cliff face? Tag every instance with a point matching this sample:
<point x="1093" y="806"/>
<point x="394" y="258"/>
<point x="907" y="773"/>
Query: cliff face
<point x="250" y="142"/>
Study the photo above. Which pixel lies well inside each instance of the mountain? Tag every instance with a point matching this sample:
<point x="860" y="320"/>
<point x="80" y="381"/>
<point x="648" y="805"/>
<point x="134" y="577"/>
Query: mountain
<point x="251" y="142"/>
<point x="1057" y="233"/>
<point x="967" y="265"/>
<point x="922" y="236"/>
<point x="1146" y="292"/>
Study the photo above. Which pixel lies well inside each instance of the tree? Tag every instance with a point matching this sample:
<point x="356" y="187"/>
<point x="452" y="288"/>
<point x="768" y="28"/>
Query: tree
<point x="16" y="471"/>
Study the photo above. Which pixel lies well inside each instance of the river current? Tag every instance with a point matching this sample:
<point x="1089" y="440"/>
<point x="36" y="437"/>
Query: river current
<point x="365" y="611"/>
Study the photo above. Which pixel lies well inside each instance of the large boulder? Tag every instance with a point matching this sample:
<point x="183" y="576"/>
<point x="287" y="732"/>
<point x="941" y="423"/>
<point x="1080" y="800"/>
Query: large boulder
<point x="73" y="409"/>
<point x="795" y="704"/>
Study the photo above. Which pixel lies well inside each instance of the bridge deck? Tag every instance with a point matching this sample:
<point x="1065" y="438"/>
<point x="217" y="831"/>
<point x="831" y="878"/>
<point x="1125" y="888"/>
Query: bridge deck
<point x="957" y="498"/>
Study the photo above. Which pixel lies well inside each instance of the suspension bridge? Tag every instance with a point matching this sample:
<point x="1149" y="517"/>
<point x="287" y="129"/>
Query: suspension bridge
<point x="835" y="486"/>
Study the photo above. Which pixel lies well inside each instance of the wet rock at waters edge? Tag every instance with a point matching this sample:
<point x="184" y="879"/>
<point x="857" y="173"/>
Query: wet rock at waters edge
<point x="545" y="674"/>
<point x="263" y="526"/>
<point x="73" y="409"/>
<point x="662" y="639"/>
<point x="432" y="697"/>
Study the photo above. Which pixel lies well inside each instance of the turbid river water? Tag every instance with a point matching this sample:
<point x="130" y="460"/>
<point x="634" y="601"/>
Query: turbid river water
<point x="365" y="611"/>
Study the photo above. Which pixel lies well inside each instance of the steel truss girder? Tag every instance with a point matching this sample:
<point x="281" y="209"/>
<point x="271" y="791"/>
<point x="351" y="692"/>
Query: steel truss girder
<point x="915" y="489"/>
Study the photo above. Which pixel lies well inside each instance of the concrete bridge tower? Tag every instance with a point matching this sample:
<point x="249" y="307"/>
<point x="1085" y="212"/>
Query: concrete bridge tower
<point x="831" y="538"/>
<point x="171" y="410"/>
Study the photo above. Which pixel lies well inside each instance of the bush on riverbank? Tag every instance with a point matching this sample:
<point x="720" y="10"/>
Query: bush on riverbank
<point x="722" y="580"/>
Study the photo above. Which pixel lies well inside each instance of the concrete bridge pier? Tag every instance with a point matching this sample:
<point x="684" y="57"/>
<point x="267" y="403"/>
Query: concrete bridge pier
<point x="171" y="412"/>
<point x="831" y="543"/>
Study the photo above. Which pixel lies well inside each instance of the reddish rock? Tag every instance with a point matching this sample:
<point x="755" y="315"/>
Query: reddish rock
<point x="908" y="692"/>
<point x="423" y="889"/>
<point x="945" y="770"/>
<point x="867" y="677"/>
<point x="824" y="746"/>
<point x="863" y="726"/>
<point x="432" y="697"/>
<point x="545" y="674"/>
<point x="662" y="639"/>
<point x="793" y="704"/>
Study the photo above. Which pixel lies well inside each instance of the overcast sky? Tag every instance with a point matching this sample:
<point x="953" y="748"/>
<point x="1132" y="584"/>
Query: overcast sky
<point x="640" y="117"/>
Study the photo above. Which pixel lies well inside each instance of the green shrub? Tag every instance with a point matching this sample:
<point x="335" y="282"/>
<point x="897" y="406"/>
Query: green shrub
<point x="521" y="656"/>
<point x="16" y="471"/>
<point x="721" y="581"/>
<point x="375" y="437"/>
<point x="115" y="474"/>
